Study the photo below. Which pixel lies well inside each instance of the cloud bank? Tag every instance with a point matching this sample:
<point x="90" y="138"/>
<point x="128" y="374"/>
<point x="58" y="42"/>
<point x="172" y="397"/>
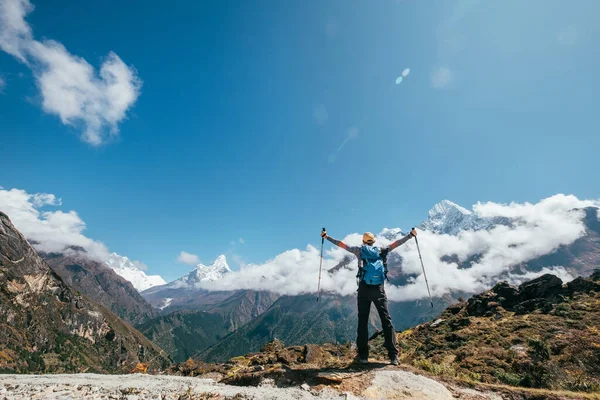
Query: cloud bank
<point x="537" y="229"/>
<point x="70" y="87"/>
<point x="51" y="231"/>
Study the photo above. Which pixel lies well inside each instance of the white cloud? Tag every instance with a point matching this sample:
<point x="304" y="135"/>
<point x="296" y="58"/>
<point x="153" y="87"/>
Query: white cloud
<point x="320" y="114"/>
<point x="558" y="271"/>
<point x="188" y="258"/>
<point x="70" y="87"/>
<point x="441" y="77"/>
<point x="51" y="231"/>
<point x="241" y="240"/>
<point x="538" y="229"/>
<point x="54" y="231"/>
<point x="14" y="31"/>
<point x="239" y="260"/>
<point x="45" y="199"/>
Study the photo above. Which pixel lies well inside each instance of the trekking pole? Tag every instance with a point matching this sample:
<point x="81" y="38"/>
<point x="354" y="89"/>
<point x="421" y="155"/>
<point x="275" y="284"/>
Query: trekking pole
<point x="320" y="266"/>
<point x="424" y="274"/>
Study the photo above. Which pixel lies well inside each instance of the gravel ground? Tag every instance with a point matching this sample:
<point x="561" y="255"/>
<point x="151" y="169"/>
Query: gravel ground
<point x="382" y="384"/>
<point x="138" y="387"/>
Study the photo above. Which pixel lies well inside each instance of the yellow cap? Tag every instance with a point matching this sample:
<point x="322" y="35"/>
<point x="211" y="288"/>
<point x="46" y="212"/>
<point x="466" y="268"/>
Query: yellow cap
<point x="368" y="238"/>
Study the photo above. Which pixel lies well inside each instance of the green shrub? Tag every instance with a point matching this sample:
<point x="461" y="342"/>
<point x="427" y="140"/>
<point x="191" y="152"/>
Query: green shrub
<point x="438" y="369"/>
<point x="540" y="351"/>
<point x="579" y="381"/>
<point x="508" y="377"/>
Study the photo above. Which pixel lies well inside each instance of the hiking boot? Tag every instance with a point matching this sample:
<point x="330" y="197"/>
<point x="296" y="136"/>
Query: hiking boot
<point x="361" y="360"/>
<point x="394" y="360"/>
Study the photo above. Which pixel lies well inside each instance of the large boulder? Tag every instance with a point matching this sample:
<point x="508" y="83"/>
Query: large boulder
<point x="273" y="346"/>
<point x="478" y="306"/>
<point x="580" y="284"/>
<point x="546" y="286"/>
<point x="405" y="385"/>
<point x="508" y="295"/>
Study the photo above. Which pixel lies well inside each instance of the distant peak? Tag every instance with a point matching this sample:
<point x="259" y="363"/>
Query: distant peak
<point x="221" y="259"/>
<point x="447" y="217"/>
<point x="391" y="234"/>
<point x="210" y="272"/>
<point x="444" y="206"/>
<point x="116" y="256"/>
<point x="128" y="270"/>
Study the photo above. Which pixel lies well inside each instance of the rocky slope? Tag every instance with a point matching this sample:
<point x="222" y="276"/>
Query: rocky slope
<point x="243" y="306"/>
<point x="46" y="326"/>
<point x="319" y="368"/>
<point x="542" y="334"/>
<point x="185" y="333"/>
<point x="101" y="284"/>
<point x="300" y="320"/>
<point x="295" y="320"/>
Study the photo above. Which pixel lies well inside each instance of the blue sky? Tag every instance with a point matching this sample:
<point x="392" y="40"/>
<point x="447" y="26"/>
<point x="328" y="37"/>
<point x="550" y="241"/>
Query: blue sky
<point x="242" y="105"/>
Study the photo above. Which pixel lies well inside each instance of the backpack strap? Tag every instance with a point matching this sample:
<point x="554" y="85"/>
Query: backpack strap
<point x="361" y="274"/>
<point x="384" y="253"/>
<point x="361" y="270"/>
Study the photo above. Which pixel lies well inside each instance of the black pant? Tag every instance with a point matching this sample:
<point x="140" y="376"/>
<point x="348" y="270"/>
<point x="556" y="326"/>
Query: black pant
<point x="375" y="294"/>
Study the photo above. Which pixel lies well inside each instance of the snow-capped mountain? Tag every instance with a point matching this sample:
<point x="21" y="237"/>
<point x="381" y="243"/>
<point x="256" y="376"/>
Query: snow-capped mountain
<point x="203" y="273"/>
<point x="138" y="278"/>
<point x="391" y="234"/>
<point x="449" y="218"/>
<point x="190" y="291"/>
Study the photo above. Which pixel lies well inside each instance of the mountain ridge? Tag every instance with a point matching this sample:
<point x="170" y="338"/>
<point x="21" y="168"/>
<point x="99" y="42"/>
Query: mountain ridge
<point x="48" y="327"/>
<point x="102" y="284"/>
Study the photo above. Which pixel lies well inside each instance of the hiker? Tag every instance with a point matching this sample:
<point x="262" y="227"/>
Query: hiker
<point x="372" y="273"/>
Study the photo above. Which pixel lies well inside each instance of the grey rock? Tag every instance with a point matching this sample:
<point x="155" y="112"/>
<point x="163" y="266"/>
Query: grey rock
<point x="437" y="322"/>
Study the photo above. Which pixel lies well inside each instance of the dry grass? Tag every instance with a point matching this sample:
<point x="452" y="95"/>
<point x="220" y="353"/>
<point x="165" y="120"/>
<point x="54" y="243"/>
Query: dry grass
<point x="557" y="349"/>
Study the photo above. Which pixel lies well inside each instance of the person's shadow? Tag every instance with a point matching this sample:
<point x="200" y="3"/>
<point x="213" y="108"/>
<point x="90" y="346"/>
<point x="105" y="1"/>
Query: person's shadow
<point x="369" y="365"/>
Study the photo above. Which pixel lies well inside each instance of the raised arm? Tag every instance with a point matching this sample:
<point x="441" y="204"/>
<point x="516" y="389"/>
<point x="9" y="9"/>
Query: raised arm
<point x="399" y="242"/>
<point x="352" y="249"/>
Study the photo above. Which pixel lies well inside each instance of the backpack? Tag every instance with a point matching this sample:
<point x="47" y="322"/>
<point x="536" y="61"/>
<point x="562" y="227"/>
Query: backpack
<point x="374" y="265"/>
